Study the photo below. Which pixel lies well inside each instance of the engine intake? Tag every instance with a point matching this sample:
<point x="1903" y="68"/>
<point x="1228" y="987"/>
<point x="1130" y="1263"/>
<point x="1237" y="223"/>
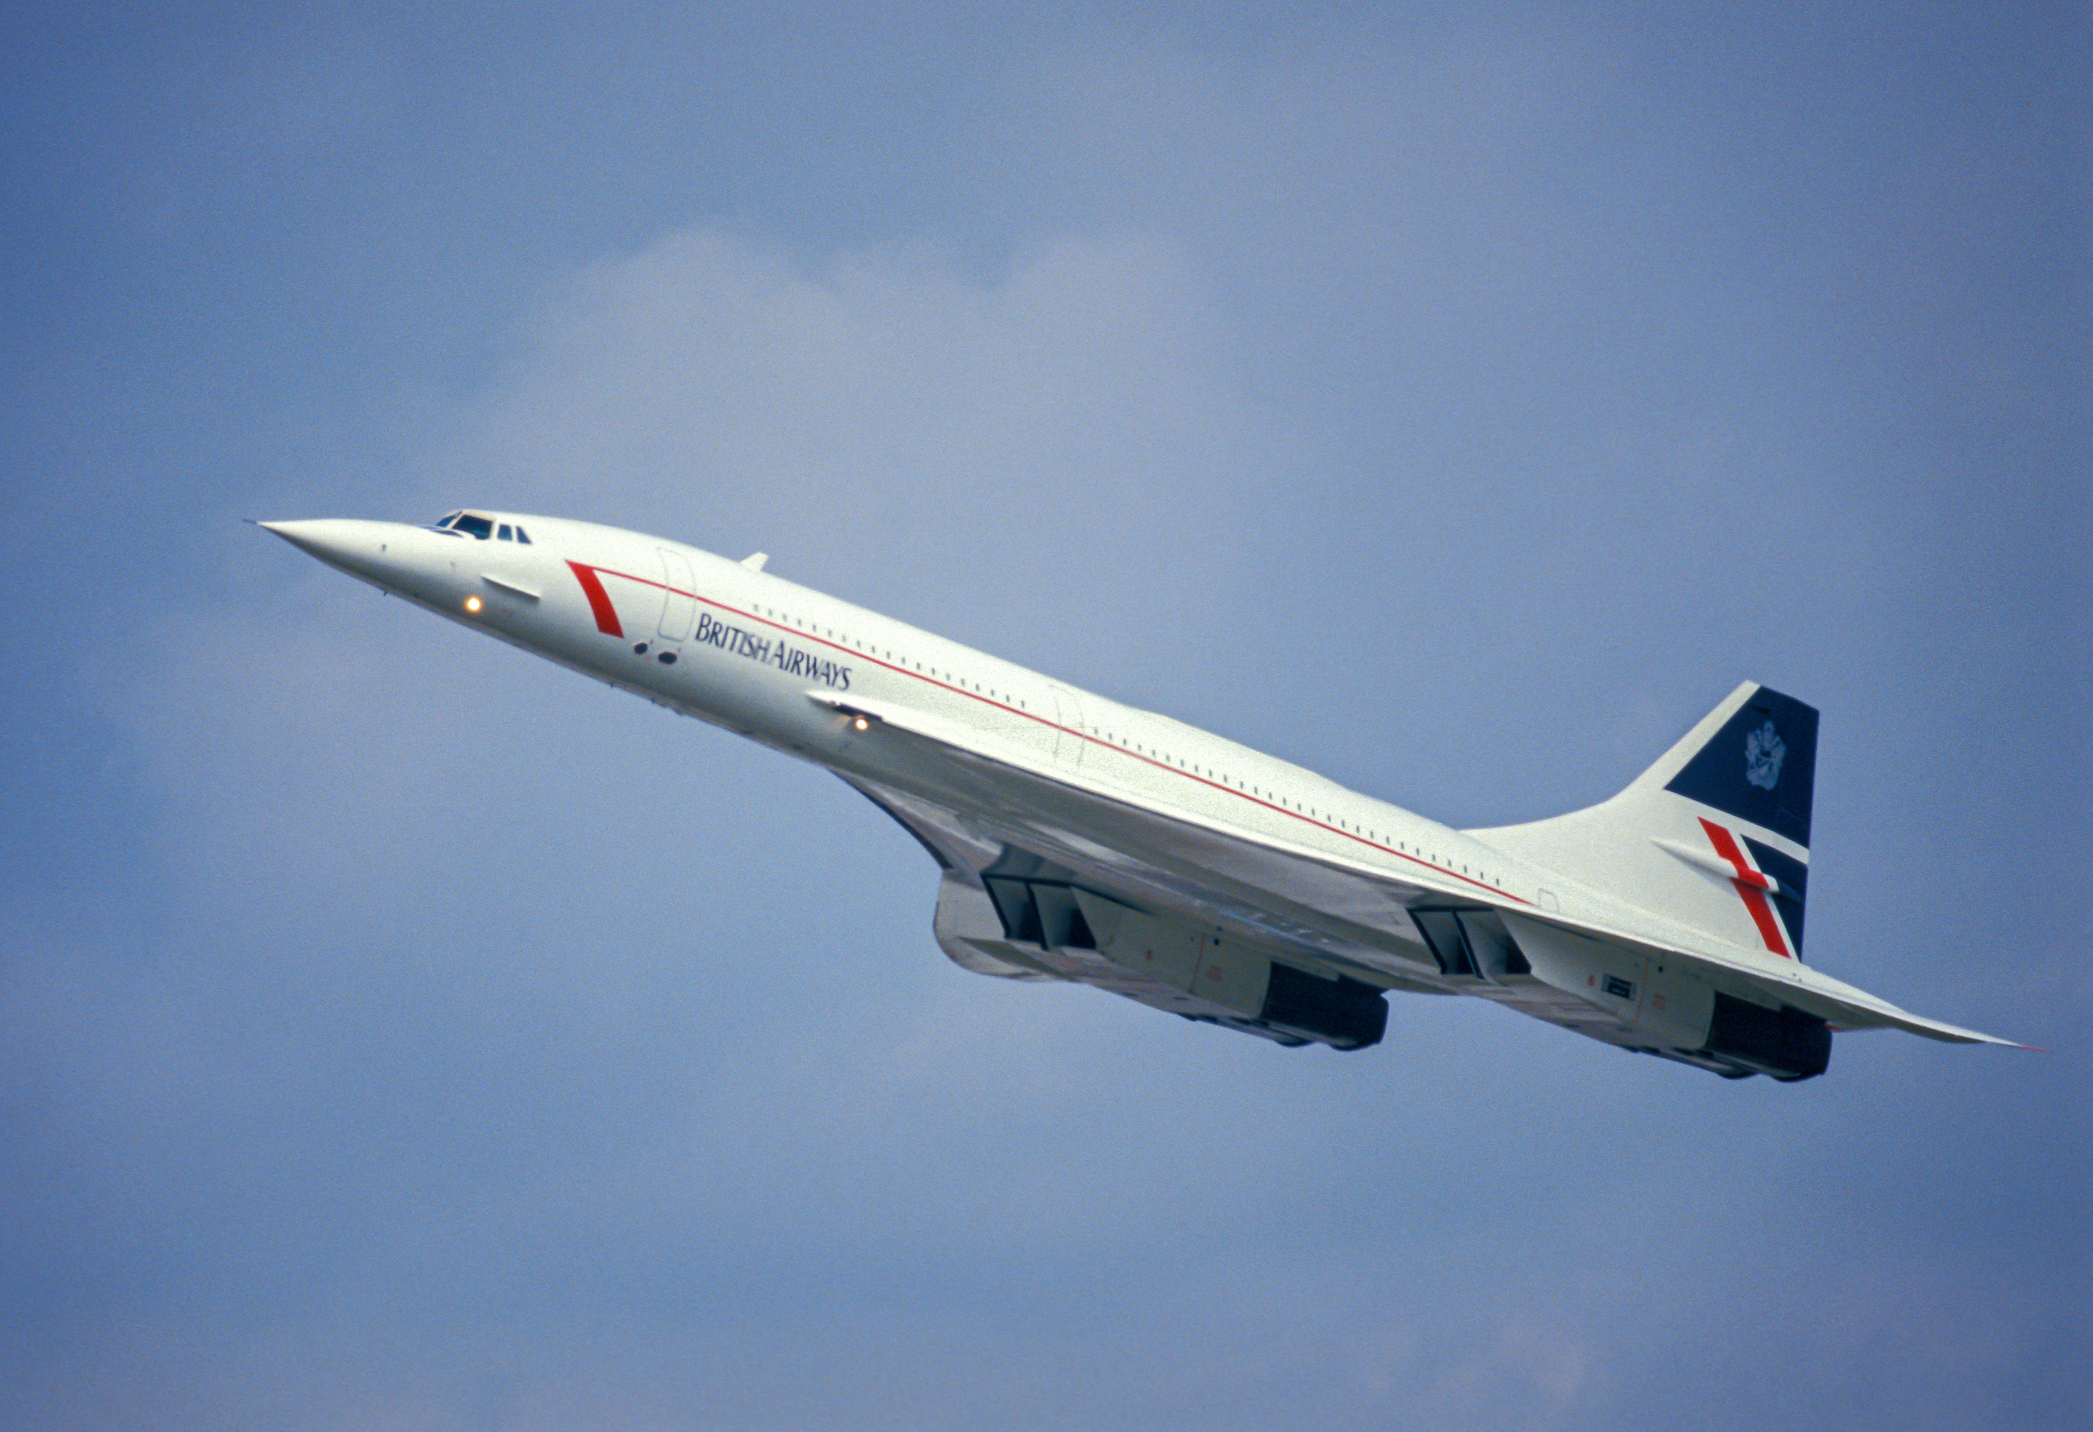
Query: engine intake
<point x="1785" y="1043"/>
<point x="1346" y="1013"/>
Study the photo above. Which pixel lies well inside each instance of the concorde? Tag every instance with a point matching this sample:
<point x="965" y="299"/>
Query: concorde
<point x="1080" y="839"/>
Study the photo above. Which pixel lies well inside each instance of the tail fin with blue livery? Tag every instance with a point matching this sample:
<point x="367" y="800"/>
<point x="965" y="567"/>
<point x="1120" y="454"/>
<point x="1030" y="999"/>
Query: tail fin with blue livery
<point x="1715" y="835"/>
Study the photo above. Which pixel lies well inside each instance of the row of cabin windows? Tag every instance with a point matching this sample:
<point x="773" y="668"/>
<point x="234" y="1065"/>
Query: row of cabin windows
<point x="1198" y="770"/>
<point x="1129" y="744"/>
<point x="1123" y="742"/>
<point x="887" y="654"/>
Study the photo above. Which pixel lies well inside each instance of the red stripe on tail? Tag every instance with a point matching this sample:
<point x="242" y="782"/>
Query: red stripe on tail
<point x="1751" y="887"/>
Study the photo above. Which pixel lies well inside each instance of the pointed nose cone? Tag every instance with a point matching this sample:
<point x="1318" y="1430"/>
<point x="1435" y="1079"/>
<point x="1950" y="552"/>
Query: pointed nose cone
<point x="313" y="537"/>
<point x="359" y="548"/>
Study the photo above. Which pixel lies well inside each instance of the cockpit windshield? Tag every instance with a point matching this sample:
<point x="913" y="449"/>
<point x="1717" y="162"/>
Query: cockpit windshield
<point x="471" y="524"/>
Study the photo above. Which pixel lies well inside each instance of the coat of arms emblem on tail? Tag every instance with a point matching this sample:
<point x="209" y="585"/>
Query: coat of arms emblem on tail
<point x="1762" y="757"/>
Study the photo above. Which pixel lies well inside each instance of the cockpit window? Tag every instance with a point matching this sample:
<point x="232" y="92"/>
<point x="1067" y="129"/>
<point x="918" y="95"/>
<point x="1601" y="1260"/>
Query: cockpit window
<point x="466" y="524"/>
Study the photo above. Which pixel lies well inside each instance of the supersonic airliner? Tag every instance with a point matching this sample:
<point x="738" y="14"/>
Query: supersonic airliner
<point x="1079" y="839"/>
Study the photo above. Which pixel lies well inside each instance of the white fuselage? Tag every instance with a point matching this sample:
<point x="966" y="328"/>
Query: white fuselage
<point x="748" y="646"/>
<point x="1151" y="826"/>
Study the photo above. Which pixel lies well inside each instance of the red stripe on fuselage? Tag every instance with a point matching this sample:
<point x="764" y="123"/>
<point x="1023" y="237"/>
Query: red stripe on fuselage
<point x="599" y="600"/>
<point x="1751" y="888"/>
<point x="604" y="613"/>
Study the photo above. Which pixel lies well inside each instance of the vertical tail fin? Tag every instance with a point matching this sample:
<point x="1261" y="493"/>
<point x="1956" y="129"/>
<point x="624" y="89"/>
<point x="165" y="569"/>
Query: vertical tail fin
<point x="1715" y="835"/>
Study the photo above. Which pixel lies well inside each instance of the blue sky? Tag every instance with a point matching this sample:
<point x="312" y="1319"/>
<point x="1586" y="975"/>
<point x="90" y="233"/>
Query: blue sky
<point x="399" y="1033"/>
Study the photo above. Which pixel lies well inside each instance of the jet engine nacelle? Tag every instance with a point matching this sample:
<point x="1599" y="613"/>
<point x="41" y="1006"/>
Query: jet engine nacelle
<point x="1026" y="927"/>
<point x="1667" y="1007"/>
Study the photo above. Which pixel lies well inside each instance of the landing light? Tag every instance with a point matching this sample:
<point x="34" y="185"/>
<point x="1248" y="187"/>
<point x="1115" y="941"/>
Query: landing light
<point x="862" y="724"/>
<point x="472" y="604"/>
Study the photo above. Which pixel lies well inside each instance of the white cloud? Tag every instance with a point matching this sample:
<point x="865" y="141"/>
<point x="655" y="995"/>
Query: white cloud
<point x="869" y="411"/>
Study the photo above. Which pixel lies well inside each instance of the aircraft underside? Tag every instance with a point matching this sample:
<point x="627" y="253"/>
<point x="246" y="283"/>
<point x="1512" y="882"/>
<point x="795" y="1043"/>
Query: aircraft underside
<point x="1120" y="907"/>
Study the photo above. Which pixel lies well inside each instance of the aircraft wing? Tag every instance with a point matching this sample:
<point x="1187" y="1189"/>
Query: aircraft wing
<point x="1037" y="860"/>
<point x="1342" y="917"/>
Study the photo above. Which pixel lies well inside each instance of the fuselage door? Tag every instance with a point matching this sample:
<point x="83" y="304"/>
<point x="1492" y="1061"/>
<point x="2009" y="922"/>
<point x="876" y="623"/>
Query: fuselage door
<point x="1068" y="727"/>
<point x="678" y="604"/>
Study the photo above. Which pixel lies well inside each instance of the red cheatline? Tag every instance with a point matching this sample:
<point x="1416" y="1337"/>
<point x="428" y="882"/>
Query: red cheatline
<point x="607" y="623"/>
